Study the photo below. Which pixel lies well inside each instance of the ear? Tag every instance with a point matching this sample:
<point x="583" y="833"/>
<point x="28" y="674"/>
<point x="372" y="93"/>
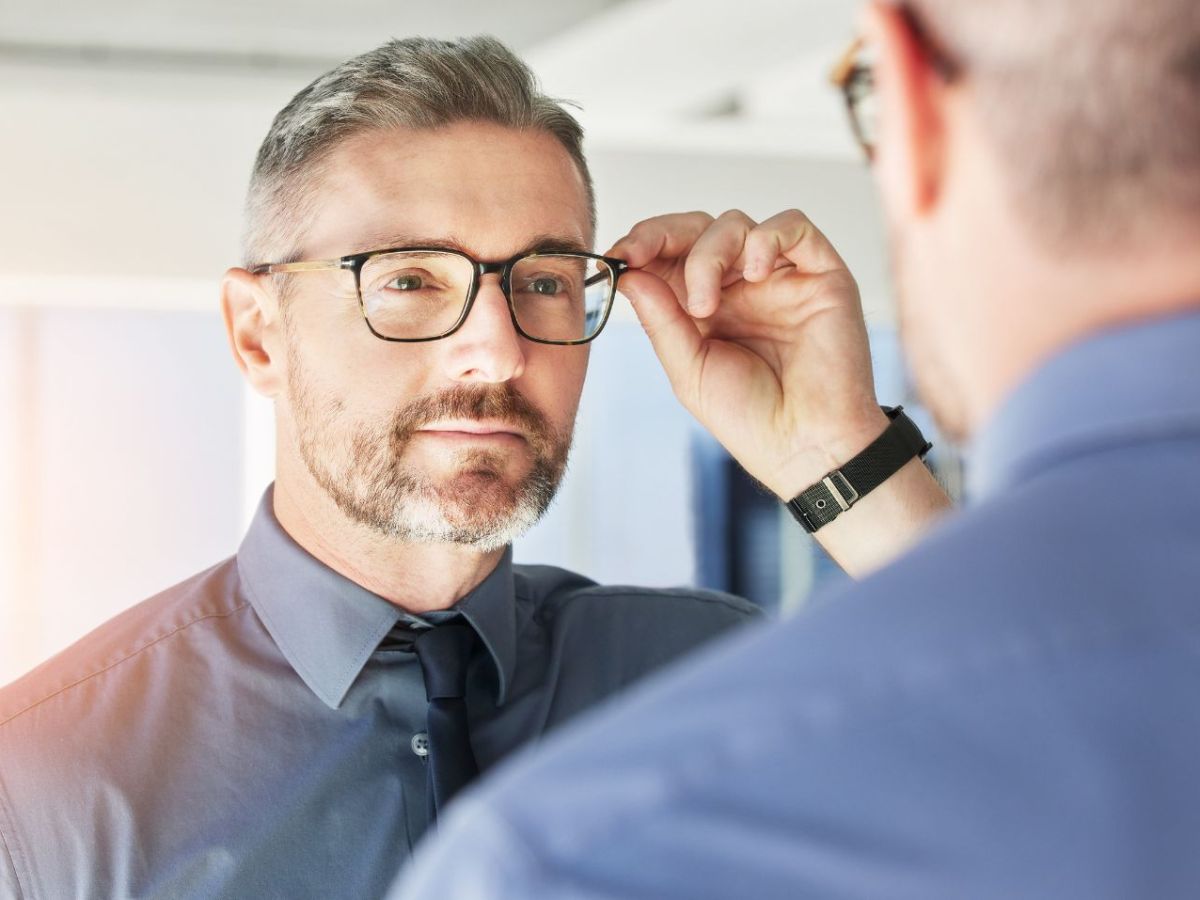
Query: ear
<point x="252" y="325"/>
<point x="912" y="105"/>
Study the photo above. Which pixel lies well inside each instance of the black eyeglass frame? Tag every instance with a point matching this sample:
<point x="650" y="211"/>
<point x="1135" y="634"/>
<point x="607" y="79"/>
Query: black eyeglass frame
<point x="855" y="78"/>
<point x="355" y="262"/>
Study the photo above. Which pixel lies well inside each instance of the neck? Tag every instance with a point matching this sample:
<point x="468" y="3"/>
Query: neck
<point x="1018" y="309"/>
<point x="418" y="578"/>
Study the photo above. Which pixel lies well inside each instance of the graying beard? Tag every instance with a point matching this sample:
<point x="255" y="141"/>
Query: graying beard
<point x="400" y="506"/>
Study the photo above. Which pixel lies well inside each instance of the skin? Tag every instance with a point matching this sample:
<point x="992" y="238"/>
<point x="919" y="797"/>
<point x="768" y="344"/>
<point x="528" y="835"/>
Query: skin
<point x="492" y="192"/>
<point x="740" y="311"/>
<point x="760" y="328"/>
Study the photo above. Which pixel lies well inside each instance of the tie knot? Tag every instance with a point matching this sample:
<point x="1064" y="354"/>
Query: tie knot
<point x="444" y="652"/>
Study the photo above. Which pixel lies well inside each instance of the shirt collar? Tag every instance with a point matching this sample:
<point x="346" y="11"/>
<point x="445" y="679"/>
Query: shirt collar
<point x="327" y="626"/>
<point x="1136" y="382"/>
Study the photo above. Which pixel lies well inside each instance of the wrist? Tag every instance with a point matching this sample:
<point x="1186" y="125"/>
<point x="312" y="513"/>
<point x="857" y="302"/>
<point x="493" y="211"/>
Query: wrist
<point x="844" y="485"/>
<point x="829" y="452"/>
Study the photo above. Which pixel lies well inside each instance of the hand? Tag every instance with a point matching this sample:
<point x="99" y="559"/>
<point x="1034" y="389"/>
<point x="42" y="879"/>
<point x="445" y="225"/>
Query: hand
<point x="760" y="330"/>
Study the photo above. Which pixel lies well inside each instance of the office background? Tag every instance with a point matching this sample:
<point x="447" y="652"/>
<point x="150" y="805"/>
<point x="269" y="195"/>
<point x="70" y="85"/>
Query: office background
<point x="131" y="454"/>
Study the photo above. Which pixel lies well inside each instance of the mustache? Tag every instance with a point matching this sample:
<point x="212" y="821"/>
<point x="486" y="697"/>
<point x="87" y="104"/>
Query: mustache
<point x="500" y="402"/>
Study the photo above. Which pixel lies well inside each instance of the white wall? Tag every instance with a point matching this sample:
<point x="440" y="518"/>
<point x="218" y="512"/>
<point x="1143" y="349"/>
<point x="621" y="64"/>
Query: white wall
<point x="16" y="614"/>
<point x="126" y="456"/>
<point x="837" y="194"/>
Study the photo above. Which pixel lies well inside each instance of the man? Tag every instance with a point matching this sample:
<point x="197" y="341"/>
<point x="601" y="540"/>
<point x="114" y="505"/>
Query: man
<point x="417" y="300"/>
<point x="1008" y="711"/>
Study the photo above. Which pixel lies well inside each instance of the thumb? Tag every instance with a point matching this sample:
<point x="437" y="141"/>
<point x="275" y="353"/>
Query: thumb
<point x="673" y="333"/>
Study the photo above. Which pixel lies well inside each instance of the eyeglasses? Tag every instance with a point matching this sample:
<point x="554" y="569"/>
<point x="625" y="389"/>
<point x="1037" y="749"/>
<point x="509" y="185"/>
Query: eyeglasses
<point x="416" y="294"/>
<point x="856" y="80"/>
<point x="854" y="76"/>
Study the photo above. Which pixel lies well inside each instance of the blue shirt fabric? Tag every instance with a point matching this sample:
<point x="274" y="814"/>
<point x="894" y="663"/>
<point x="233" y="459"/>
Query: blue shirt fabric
<point x="1008" y="711"/>
<point x="254" y="732"/>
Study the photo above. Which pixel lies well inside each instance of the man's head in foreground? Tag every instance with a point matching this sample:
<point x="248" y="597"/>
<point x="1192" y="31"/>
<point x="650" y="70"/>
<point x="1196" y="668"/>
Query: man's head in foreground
<point x="1039" y="164"/>
<point x="448" y="147"/>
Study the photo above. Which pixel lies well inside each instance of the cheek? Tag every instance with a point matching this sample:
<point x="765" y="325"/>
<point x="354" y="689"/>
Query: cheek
<point x="363" y="382"/>
<point x="553" y="381"/>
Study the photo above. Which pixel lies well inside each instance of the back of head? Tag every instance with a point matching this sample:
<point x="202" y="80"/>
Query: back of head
<point x="415" y="83"/>
<point x="1094" y="106"/>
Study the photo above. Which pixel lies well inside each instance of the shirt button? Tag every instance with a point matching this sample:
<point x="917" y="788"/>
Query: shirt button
<point x="420" y="744"/>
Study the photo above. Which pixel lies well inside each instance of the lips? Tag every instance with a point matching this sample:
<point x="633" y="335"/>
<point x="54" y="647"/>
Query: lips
<point x="472" y="429"/>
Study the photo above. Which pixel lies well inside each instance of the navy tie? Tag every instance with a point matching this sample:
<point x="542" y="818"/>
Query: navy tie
<point x="444" y="652"/>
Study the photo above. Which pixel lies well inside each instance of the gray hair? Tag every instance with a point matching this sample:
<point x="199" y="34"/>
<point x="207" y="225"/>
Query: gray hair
<point x="1093" y="106"/>
<point x="415" y="83"/>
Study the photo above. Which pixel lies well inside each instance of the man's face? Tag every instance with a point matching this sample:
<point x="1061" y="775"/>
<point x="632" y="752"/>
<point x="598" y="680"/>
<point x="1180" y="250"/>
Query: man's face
<point x="463" y="439"/>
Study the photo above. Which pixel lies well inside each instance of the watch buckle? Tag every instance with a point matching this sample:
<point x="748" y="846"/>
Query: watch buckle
<point x="845" y="497"/>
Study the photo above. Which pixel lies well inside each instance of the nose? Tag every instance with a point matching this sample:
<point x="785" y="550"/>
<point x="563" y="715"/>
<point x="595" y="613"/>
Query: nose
<point x="486" y="349"/>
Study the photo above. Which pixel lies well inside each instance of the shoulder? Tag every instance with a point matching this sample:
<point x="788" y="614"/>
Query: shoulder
<point x="622" y="630"/>
<point x="558" y="594"/>
<point x="108" y="654"/>
<point x="1010" y="664"/>
<point x="1003" y="611"/>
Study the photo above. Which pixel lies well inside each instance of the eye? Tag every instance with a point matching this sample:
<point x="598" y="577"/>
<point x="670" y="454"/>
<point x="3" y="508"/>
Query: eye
<point x="406" y="282"/>
<point x="545" y="286"/>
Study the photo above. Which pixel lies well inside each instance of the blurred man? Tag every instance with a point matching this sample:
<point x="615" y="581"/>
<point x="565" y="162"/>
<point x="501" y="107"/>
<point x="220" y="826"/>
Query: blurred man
<point x="418" y="300"/>
<point x="1008" y="710"/>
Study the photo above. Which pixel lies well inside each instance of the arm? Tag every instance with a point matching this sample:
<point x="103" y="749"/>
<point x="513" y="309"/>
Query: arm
<point x="760" y="330"/>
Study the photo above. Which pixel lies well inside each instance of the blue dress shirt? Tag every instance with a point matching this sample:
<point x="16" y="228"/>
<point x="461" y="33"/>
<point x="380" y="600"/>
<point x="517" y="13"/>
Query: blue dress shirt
<point x="258" y="731"/>
<point x="1008" y="711"/>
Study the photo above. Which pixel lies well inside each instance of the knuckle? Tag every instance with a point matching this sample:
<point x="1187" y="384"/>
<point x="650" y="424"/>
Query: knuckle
<point x="735" y="215"/>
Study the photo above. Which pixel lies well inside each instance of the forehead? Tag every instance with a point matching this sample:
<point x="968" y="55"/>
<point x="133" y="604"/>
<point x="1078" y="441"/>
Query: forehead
<point x="490" y="188"/>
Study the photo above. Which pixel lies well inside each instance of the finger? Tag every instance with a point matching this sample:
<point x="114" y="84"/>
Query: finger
<point x="673" y="334"/>
<point x="716" y="254"/>
<point x="670" y="236"/>
<point x="789" y="236"/>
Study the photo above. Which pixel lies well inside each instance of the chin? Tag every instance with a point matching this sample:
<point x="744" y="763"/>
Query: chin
<point x="478" y="510"/>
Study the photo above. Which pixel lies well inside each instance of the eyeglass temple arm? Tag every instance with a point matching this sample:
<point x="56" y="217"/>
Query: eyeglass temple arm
<point x="620" y="267"/>
<point x="313" y="265"/>
<point x="845" y="66"/>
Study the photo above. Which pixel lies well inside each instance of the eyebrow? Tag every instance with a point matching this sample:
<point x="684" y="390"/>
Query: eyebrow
<point x="542" y="243"/>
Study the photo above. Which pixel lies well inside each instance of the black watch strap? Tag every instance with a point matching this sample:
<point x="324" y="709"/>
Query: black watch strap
<point x="834" y="494"/>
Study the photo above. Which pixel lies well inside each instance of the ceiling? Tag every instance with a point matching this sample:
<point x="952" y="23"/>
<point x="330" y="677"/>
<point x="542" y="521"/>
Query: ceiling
<point x="279" y="29"/>
<point x="695" y="75"/>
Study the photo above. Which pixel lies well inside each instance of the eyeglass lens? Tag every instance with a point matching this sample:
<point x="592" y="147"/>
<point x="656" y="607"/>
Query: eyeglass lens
<point x="864" y="105"/>
<point x="421" y="294"/>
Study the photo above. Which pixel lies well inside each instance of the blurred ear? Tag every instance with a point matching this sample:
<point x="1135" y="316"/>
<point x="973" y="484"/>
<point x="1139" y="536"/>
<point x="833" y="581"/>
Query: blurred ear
<point x="909" y="162"/>
<point x="252" y="324"/>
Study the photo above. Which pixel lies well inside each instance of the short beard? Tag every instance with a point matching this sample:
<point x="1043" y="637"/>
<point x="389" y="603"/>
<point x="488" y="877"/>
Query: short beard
<point x="477" y="507"/>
